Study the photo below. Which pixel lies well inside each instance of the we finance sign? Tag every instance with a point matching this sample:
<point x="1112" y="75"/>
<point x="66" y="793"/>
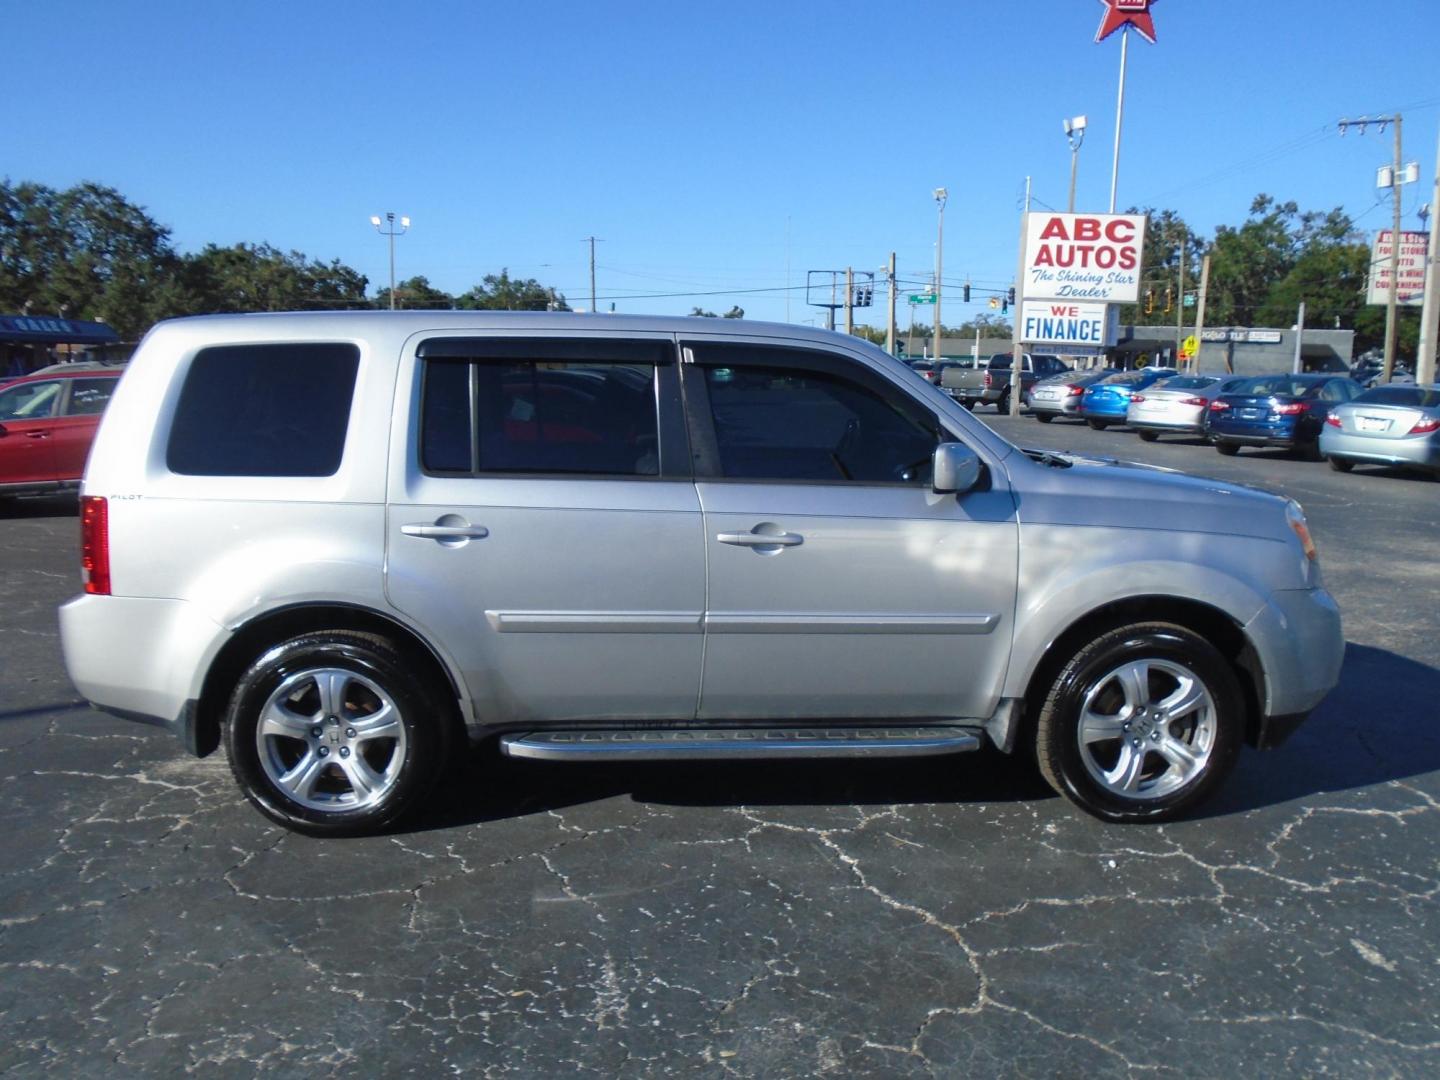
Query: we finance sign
<point x="1094" y="258"/>
<point x="1056" y="322"/>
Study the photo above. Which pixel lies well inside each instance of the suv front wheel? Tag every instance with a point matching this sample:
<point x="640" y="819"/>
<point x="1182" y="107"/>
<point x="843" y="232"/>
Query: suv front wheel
<point x="1141" y="724"/>
<point x="332" y="734"/>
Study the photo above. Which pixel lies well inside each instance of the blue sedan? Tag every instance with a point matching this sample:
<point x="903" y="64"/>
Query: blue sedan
<point x="1278" y="410"/>
<point x="1106" y="401"/>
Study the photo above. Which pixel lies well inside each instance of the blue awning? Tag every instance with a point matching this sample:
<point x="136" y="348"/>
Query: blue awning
<point x="53" y="330"/>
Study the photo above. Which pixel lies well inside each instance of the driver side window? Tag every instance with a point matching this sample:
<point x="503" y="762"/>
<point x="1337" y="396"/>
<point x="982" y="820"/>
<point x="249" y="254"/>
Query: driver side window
<point x="798" y="423"/>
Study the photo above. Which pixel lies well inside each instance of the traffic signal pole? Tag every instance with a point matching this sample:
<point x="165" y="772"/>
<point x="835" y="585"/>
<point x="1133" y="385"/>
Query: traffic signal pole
<point x="890" y="323"/>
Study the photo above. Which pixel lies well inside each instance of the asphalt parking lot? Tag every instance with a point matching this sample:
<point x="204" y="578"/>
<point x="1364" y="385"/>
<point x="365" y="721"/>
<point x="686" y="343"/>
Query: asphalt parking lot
<point x="944" y="918"/>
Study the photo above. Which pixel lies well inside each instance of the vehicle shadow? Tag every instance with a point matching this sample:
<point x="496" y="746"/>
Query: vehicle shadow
<point x="488" y="787"/>
<point x="1376" y="727"/>
<point x="64" y="504"/>
<point x="1347" y="744"/>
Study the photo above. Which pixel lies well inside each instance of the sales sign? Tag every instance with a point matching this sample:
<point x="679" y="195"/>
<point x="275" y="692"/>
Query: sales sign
<point x="1414" y="247"/>
<point x="1084" y="258"/>
<point x="1057" y="322"/>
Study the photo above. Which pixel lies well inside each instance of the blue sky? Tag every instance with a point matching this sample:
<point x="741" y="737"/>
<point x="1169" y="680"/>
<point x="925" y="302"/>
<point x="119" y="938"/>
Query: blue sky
<point x="709" y="145"/>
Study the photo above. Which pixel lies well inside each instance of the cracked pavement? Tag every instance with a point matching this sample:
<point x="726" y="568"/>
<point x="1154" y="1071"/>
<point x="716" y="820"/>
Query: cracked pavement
<point x="928" y="918"/>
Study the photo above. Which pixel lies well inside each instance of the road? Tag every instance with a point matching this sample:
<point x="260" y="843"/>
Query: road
<point x="943" y="918"/>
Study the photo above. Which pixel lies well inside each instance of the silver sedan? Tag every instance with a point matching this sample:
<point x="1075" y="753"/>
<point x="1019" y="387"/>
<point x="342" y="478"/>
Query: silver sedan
<point x="1177" y="406"/>
<point x="1386" y="425"/>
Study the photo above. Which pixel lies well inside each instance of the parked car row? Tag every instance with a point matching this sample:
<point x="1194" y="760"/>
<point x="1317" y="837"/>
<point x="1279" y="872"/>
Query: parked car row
<point x="1313" y="415"/>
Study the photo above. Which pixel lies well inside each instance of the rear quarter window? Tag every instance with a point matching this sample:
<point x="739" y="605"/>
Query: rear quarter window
<point x="264" y="410"/>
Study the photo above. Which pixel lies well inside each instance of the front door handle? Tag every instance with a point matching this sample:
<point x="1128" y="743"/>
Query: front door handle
<point x="445" y="532"/>
<point x="37" y="434"/>
<point x="766" y="539"/>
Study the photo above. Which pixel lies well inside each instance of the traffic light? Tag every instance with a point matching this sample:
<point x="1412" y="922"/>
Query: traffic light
<point x="967" y="292"/>
<point x="1010" y="296"/>
<point x="1005" y="306"/>
<point x="1167" y="299"/>
<point x="1149" y="301"/>
<point x="994" y="301"/>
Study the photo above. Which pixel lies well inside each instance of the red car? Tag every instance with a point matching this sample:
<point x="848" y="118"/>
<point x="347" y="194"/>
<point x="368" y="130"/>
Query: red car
<point x="47" y="423"/>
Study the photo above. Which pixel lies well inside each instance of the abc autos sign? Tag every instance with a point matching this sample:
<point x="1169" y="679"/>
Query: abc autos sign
<point x="1084" y="257"/>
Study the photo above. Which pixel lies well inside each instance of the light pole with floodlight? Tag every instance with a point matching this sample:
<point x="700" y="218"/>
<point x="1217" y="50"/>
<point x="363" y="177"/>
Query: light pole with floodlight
<point x="940" y="196"/>
<point x="1075" y="132"/>
<point x="391" y="232"/>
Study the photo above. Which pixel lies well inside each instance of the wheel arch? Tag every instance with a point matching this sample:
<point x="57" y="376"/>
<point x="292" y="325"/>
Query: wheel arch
<point x="281" y="624"/>
<point x="1210" y="622"/>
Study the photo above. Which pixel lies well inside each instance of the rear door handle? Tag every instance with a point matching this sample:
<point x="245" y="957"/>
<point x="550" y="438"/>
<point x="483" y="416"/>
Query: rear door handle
<point x="37" y="434"/>
<point x="445" y="532"/>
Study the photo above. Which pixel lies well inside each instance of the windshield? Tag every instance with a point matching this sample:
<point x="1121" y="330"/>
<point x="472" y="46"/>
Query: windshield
<point x="1419" y="397"/>
<point x="1191" y="382"/>
<point x="1123" y="378"/>
<point x="1276" y="386"/>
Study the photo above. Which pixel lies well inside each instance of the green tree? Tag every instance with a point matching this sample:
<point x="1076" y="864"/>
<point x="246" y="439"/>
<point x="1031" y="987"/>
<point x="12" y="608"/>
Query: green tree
<point x="247" y="277"/>
<point x="701" y="313"/>
<point x="735" y="312"/>
<point x="990" y="326"/>
<point x="1166" y="234"/>
<point x="85" y="252"/>
<point x="415" y="292"/>
<point x="501" y="292"/>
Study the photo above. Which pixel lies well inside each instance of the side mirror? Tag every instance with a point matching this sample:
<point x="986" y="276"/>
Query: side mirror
<point x="956" y="469"/>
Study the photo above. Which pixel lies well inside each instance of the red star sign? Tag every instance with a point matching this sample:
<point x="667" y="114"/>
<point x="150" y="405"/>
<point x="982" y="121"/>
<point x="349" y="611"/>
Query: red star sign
<point x="1120" y="13"/>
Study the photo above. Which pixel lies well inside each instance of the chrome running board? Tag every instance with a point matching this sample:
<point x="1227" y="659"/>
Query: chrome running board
<point x="720" y="744"/>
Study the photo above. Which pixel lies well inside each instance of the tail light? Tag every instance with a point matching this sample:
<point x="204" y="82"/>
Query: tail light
<point x="95" y="544"/>
<point x="1333" y="421"/>
<point x="1192" y="401"/>
<point x="1292" y="408"/>
<point x="1295" y="518"/>
<point x="1071" y="391"/>
<point x="1137" y="397"/>
<point x="1425" y="425"/>
<point x="989" y="380"/>
<point x="1219" y="406"/>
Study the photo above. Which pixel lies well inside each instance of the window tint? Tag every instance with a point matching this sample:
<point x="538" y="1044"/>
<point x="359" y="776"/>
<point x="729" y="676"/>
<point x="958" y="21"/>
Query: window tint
<point x="1415" y="396"/>
<point x="513" y="415"/>
<point x="1276" y="386"/>
<point x="89" y="396"/>
<point x="1191" y="382"/>
<point x="29" y="401"/>
<point x="264" y="410"/>
<point x="777" y="423"/>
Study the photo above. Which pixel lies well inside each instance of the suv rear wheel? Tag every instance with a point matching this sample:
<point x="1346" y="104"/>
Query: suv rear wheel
<point x="1141" y="724"/>
<point x="332" y="734"/>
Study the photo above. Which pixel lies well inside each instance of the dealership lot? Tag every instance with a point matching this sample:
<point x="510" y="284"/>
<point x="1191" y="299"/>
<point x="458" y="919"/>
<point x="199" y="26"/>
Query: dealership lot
<point x="937" y="918"/>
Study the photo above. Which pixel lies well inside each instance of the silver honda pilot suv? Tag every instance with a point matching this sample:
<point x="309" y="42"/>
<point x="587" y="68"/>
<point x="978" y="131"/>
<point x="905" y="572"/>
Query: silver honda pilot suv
<point x="345" y="544"/>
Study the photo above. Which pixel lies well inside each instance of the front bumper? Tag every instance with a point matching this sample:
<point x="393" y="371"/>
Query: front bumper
<point x="1301" y="644"/>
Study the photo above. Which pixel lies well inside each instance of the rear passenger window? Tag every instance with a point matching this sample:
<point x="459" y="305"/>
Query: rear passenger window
<point x="578" y="407"/>
<point x="89" y="396"/>
<point x="264" y="410"/>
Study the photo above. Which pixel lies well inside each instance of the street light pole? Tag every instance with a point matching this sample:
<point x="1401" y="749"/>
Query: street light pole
<point x="1075" y="133"/>
<point x="941" y="195"/>
<point x="392" y="232"/>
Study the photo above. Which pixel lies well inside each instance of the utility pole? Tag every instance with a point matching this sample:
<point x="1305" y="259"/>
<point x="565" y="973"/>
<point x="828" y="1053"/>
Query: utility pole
<point x="1391" y="315"/>
<point x="890" y="323"/>
<point x="1180" y="301"/>
<point x="391" y="231"/>
<point x="1200" y="309"/>
<point x="1299" y="338"/>
<point x="1425" y="358"/>
<point x="1017" y="350"/>
<point x="849" y="300"/>
<point x="941" y="195"/>
<point x="592" y="241"/>
<point x="1119" y="116"/>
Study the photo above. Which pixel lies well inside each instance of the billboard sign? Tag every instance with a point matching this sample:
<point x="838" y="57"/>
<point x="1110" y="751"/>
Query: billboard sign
<point x="1414" y="247"/>
<point x="1052" y="322"/>
<point x="1084" y="258"/>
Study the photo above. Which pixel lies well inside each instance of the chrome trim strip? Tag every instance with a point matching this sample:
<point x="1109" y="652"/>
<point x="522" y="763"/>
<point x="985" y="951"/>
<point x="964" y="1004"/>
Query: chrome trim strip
<point x="748" y="622"/>
<point x="595" y="622"/>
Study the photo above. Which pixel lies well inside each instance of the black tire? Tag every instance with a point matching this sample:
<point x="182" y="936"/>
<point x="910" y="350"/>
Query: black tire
<point x="969" y="403"/>
<point x="1003" y="405"/>
<point x="1148" y="436"/>
<point x="1229" y="449"/>
<point x="364" y="670"/>
<point x="1341" y="465"/>
<point x="1162" y="788"/>
<point x="1098" y="425"/>
<point x="1044" y="417"/>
